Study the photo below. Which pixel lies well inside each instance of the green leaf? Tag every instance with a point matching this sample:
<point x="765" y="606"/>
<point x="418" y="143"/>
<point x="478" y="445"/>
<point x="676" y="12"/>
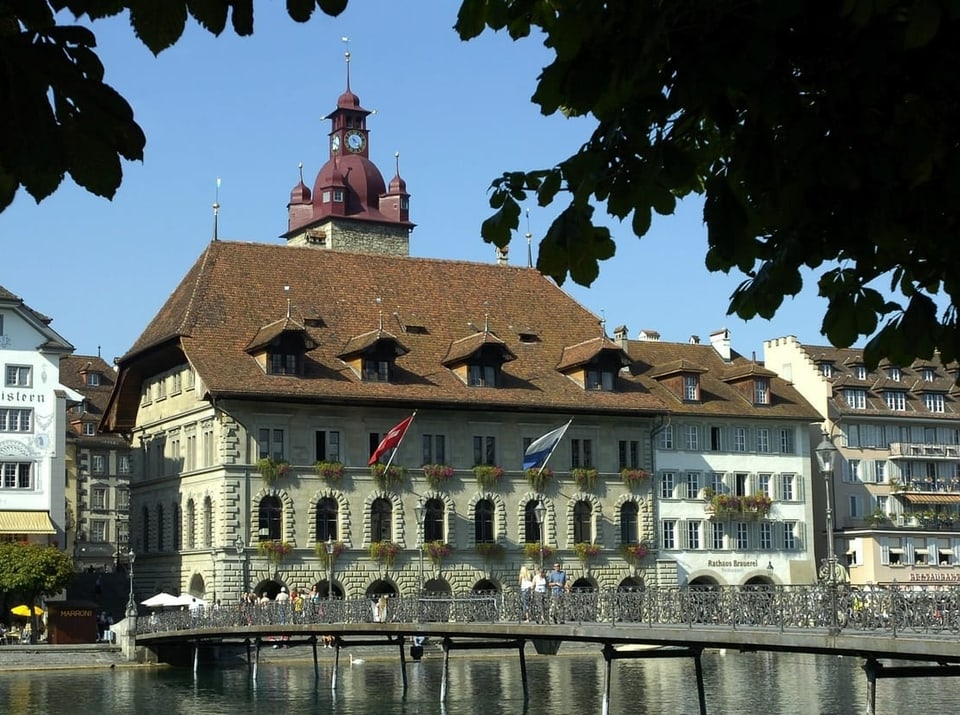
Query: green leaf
<point x="497" y="228"/>
<point x="300" y="10"/>
<point x="158" y="23"/>
<point x="332" y="7"/>
<point x="210" y="14"/>
<point x="242" y="17"/>
<point x="471" y="19"/>
<point x="923" y="24"/>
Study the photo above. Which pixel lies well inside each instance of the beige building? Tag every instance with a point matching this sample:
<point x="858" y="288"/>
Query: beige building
<point x="896" y="482"/>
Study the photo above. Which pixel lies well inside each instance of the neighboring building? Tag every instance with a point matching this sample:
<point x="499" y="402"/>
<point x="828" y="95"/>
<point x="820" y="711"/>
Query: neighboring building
<point x="103" y="462"/>
<point x="732" y="464"/>
<point x="33" y="404"/>
<point x="896" y="484"/>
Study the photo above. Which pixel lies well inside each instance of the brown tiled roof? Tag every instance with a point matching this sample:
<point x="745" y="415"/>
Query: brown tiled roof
<point x="362" y="342"/>
<point x="232" y="291"/>
<point x="96" y="397"/>
<point x="717" y="396"/>
<point x="581" y="354"/>
<point x="268" y="332"/>
<point x="463" y="348"/>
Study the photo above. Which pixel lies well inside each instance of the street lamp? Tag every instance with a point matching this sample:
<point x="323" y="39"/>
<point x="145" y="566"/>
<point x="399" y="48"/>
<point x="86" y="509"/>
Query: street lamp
<point x="240" y="546"/>
<point x="826" y="453"/>
<point x="329" y="547"/>
<point x="131" y="604"/>
<point x="540" y="513"/>
<point x="116" y="528"/>
<point x="420" y="513"/>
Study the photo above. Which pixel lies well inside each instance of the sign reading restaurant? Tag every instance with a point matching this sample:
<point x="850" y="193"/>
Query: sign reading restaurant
<point x="932" y="577"/>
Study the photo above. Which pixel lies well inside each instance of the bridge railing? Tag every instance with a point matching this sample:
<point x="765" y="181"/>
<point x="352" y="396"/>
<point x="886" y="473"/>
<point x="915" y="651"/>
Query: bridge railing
<point x="933" y="610"/>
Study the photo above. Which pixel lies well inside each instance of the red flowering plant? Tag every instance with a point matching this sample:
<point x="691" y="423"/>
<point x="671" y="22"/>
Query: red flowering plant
<point x="437" y="474"/>
<point x="533" y="550"/>
<point x="586" y="551"/>
<point x="328" y="557"/>
<point x="633" y="477"/>
<point x="759" y="503"/>
<point x="384" y="552"/>
<point x="387" y="477"/>
<point x="331" y="471"/>
<point x="489" y="551"/>
<point x="437" y="551"/>
<point x="275" y="551"/>
<point x="538" y="478"/>
<point x="633" y="553"/>
<point x="488" y="475"/>
<point x="272" y="469"/>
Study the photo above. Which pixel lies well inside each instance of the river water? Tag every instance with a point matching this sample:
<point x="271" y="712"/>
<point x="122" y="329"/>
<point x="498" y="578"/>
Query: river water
<point x="766" y="683"/>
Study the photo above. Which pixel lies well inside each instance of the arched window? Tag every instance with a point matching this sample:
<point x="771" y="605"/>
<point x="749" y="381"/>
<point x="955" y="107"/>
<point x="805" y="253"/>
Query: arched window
<point x="191" y="524"/>
<point x="629" y="531"/>
<point x="159" y="527"/>
<point x="145" y="527"/>
<point x="207" y="522"/>
<point x="582" y="522"/>
<point x="176" y="527"/>
<point x="270" y="518"/>
<point x="327" y="509"/>
<point x="433" y="520"/>
<point x="531" y="529"/>
<point x="381" y="515"/>
<point x="483" y="522"/>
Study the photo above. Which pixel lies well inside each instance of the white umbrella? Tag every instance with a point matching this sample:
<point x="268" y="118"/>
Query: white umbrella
<point x="164" y="599"/>
<point x="186" y="599"/>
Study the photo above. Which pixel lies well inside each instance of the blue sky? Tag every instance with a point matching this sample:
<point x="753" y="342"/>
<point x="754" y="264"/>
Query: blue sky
<point x="248" y="110"/>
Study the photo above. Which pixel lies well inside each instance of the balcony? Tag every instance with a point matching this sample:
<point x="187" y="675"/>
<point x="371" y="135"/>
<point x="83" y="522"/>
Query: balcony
<point x="924" y="452"/>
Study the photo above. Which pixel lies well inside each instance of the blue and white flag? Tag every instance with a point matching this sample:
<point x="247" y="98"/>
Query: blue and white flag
<point x="539" y="451"/>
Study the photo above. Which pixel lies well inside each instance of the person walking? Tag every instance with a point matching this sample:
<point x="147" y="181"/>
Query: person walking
<point x="557" y="580"/>
<point x="526" y="593"/>
<point x="539" y="595"/>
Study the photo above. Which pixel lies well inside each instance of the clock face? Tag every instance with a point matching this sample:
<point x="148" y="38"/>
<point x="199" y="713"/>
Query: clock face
<point x="335" y="142"/>
<point x="355" y="141"/>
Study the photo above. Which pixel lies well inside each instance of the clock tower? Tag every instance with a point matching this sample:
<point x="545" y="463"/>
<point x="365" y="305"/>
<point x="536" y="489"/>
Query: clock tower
<point x="350" y="207"/>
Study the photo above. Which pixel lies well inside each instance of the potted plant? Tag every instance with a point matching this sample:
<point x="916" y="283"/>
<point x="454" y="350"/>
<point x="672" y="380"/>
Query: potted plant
<point x="437" y="551"/>
<point x="633" y="554"/>
<point x="272" y="469"/>
<point x="328" y="559"/>
<point x="437" y="474"/>
<point x="387" y="477"/>
<point x="877" y="517"/>
<point x="275" y="551"/>
<point x="538" y="477"/>
<point x="535" y="552"/>
<point x="586" y="551"/>
<point x="331" y="471"/>
<point x="633" y="478"/>
<point x="488" y="475"/>
<point x="384" y="552"/>
<point x="585" y="477"/>
<point x="489" y="551"/>
<point x="758" y="504"/>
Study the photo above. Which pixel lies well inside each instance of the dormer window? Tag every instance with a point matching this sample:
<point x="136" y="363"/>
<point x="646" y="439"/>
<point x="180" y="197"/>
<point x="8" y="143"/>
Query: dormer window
<point x="761" y="391"/>
<point x="89" y="429"/>
<point x="691" y="388"/>
<point x="826" y="369"/>
<point x="375" y="370"/>
<point x="478" y="359"/>
<point x="894" y="373"/>
<point x="482" y="375"/>
<point x="896" y="400"/>
<point x="861" y="372"/>
<point x="281" y="363"/>
<point x="928" y="374"/>
<point x="933" y="401"/>
<point x="597" y="379"/>
<point x="280" y="347"/>
<point x="93" y="379"/>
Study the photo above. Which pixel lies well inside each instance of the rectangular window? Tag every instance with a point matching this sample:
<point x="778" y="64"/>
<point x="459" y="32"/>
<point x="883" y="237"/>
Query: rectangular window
<point x="787" y="444"/>
<point x="761" y="391"/>
<point x="93" y="379"/>
<point x="739" y="439"/>
<point x="98" y="498"/>
<point x="190" y="458"/>
<point x="89" y="429"/>
<point x="599" y="380"/>
<point x="283" y="363"/>
<point x="17" y="376"/>
<point x="763" y="440"/>
<point x="123" y="499"/>
<point x="161" y="388"/>
<point x="98" y="464"/>
<point x="270" y="444"/>
<point x="434" y="449"/>
<point x="717" y="483"/>
<point x="856" y="398"/>
<point x="765" y="484"/>
<point x="482" y="376"/>
<point x="787" y="492"/>
<point x="484" y="450"/>
<point x="629" y="454"/>
<point x="691" y="437"/>
<point x="17" y="475"/>
<point x="98" y="531"/>
<point x="743" y="536"/>
<point x="861" y="372"/>
<point x="856" y="507"/>
<point x="176" y="383"/>
<point x="376" y="370"/>
<point x="14" y="420"/>
<point x="894" y="373"/>
<point x="327" y="445"/>
<point x="880" y="471"/>
<point x="896" y="400"/>
<point x="581" y="453"/>
<point x="716" y="441"/>
<point x="691" y="388"/>
<point x="667" y="484"/>
<point x="206" y="446"/>
<point x="123" y="463"/>
<point x="668" y="533"/>
<point x="766" y="535"/>
<point x="716" y="535"/>
<point x="740" y="484"/>
<point x="693" y="534"/>
<point x="790" y="535"/>
<point x="826" y="369"/>
<point x="693" y="485"/>
<point x="853" y="471"/>
<point x="933" y="401"/>
<point x="665" y="438"/>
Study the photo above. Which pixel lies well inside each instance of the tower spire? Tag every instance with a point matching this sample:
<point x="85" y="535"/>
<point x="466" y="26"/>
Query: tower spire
<point x="346" y="56"/>
<point x="528" y="237"/>
<point x="216" y="212"/>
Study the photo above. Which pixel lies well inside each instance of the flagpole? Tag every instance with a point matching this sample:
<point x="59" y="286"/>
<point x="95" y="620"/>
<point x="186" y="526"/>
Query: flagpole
<point x="399" y="442"/>
<point x="554" y="447"/>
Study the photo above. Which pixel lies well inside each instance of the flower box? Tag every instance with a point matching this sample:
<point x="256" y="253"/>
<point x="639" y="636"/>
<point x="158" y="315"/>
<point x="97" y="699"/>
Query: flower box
<point x="633" y="554"/>
<point x="538" y="478"/>
<point x="747" y="508"/>
<point x="328" y="558"/>
<point x="489" y="551"/>
<point x="633" y="478"/>
<point x="488" y="475"/>
<point x="532" y="550"/>
<point x="585" y="477"/>
<point x="331" y="471"/>
<point x="384" y="552"/>
<point x="437" y="475"/>
<point x="437" y="551"/>
<point x="275" y="551"/>
<point x="387" y="477"/>
<point x="586" y="551"/>
<point x="272" y="469"/>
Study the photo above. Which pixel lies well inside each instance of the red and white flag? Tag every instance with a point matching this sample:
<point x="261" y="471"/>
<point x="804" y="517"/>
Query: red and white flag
<point x="392" y="439"/>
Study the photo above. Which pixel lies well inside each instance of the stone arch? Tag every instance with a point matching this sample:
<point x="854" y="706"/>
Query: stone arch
<point x="197" y="585"/>
<point x="289" y="530"/>
<point x="499" y="508"/>
<point x="344" y="518"/>
<point x="486" y="585"/>
<point x="596" y="512"/>
<point x="397" y="521"/>
<point x="449" y="512"/>
<point x="525" y="499"/>
<point x="642" y="507"/>
<point x="705" y="578"/>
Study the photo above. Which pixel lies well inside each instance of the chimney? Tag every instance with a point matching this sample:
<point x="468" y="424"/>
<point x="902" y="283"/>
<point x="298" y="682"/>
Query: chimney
<point x="620" y="334"/>
<point x="720" y="339"/>
<point x="502" y="255"/>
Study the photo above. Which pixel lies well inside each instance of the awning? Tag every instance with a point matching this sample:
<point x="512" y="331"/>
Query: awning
<point x="930" y="498"/>
<point x="946" y="551"/>
<point x="26" y="522"/>
<point x="896" y="551"/>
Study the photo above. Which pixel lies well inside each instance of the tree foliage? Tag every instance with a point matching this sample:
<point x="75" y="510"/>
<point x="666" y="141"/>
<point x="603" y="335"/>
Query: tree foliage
<point x="820" y="135"/>
<point x="32" y="570"/>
